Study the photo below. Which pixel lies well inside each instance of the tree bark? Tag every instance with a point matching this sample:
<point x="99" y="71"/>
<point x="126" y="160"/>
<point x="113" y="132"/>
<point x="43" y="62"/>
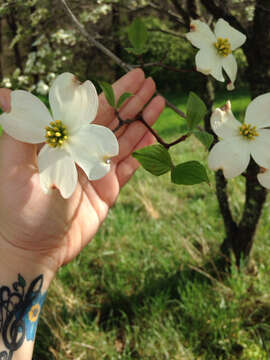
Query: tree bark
<point x="219" y="11"/>
<point x="34" y="47"/>
<point x="257" y="50"/>
<point x="192" y="8"/>
<point x="117" y="43"/>
<point x="255" y="199"/>
<point x="13" y="28"/>
<point x="181" y="11"/>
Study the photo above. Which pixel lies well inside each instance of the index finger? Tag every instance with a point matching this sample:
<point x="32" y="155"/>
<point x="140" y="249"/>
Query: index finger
<point x="131" y="82"/>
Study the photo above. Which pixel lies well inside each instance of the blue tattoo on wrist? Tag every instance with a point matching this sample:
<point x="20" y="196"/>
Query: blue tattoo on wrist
<point x="19" y="313"/>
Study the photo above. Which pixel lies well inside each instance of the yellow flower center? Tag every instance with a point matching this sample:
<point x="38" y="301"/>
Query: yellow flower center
<point x="223" y="47"/>
<point x="56" y="134"/>
<point x="249" y="132"/>
<point x="34" y="313"/>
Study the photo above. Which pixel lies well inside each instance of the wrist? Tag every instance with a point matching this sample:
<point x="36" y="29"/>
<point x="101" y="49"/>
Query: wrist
<point x="27" y="263"/>
<point x="24" y="281"/>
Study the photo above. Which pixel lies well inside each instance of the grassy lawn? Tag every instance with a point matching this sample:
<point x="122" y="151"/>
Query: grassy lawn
<point x="141" y="289"/>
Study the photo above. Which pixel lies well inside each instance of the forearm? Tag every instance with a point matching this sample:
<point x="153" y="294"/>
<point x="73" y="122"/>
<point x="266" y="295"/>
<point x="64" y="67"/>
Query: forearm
<point x="23" y="287"/>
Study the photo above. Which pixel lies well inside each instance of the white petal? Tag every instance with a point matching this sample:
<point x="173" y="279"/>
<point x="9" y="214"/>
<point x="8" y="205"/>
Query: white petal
<point x="97" y="140"/>
<point x="200" y="34"/>
<point x="264" y="179"/>
<point x="91" y="148"/>
<point x="224" y="124"/>
<point x="230" y="66"/>
<point x="73" y="103"/>
<point x="258" y="111"/>
<point x="259" y="148"/>
<point x="209" y="62"/>
<point x="231" y="156"/>
<point x="27" y="119"/>
<point x="56" y="168"/>
<point x="99" y="170"/>
<point x="224" y="30"/>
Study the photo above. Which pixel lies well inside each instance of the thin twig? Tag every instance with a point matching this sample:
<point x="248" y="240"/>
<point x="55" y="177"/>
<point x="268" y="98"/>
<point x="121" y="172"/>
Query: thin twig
<point x="158" y="9"/>
<point x="170" y="13"/>
<point x="174" y="108"/>
<point x="96" y="43"/>
<point x="122" y="122"/>
<point x="110" y="54"/>
<point x="168" y="67"/>
<point x="140" y="118"/>
<point x="219" y="12"/>
<point x="167" y="32"/>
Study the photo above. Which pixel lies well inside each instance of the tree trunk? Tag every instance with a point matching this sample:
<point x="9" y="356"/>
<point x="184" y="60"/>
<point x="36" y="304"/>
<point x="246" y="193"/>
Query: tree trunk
<point x="181" y="11"/>
<point x="13" y="28"/>
<point x="240" y="234"/>
<point x="255" y="199"/>
<point x="34" y="47"/>
<point x="257" y="50"/>
<point x="192" y="8"/>
<point x="117" y="42"/>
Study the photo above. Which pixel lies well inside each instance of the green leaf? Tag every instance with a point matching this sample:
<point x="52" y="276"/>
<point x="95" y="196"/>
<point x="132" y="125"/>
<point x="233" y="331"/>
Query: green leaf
<point x="204" y="137"/>
<point x="108" y="92"/>
<point x="196" y="110"/>
<point x="138" y="34"/>
<point x="189" y="173"/>
<point x="122" y="99"/>
<point x="155" y="159"/>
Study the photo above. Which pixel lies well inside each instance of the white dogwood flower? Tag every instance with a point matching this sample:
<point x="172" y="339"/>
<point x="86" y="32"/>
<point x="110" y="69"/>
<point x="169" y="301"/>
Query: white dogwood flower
<point x="240" y="141"/>
<point x="68" y="135"/>
<point x="216" y="49"/>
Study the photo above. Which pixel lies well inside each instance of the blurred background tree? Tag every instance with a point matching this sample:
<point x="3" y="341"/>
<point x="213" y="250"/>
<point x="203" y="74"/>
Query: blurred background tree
<point x="37" y="41"/>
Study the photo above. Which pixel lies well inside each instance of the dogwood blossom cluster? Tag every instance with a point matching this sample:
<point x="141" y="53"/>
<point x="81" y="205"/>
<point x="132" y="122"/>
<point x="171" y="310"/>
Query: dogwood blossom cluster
<point x="240" y="141"/>
<point x="68" y="135"/>
<point x="101" y="8"/>
<point x="215" y="49"/>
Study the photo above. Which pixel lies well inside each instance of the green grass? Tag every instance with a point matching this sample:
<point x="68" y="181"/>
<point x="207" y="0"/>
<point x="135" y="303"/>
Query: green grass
<point x="141" y="289"/>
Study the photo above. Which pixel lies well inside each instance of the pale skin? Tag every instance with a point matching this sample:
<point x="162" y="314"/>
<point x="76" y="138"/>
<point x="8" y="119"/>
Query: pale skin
<point x="40" y="233"/>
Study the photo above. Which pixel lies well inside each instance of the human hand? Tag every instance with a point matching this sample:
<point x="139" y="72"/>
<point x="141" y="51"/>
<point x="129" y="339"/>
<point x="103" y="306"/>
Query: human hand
<point x="53" y="230"/>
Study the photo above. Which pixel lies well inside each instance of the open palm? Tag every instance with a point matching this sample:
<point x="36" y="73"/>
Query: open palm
<point x="53" y="228"/>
